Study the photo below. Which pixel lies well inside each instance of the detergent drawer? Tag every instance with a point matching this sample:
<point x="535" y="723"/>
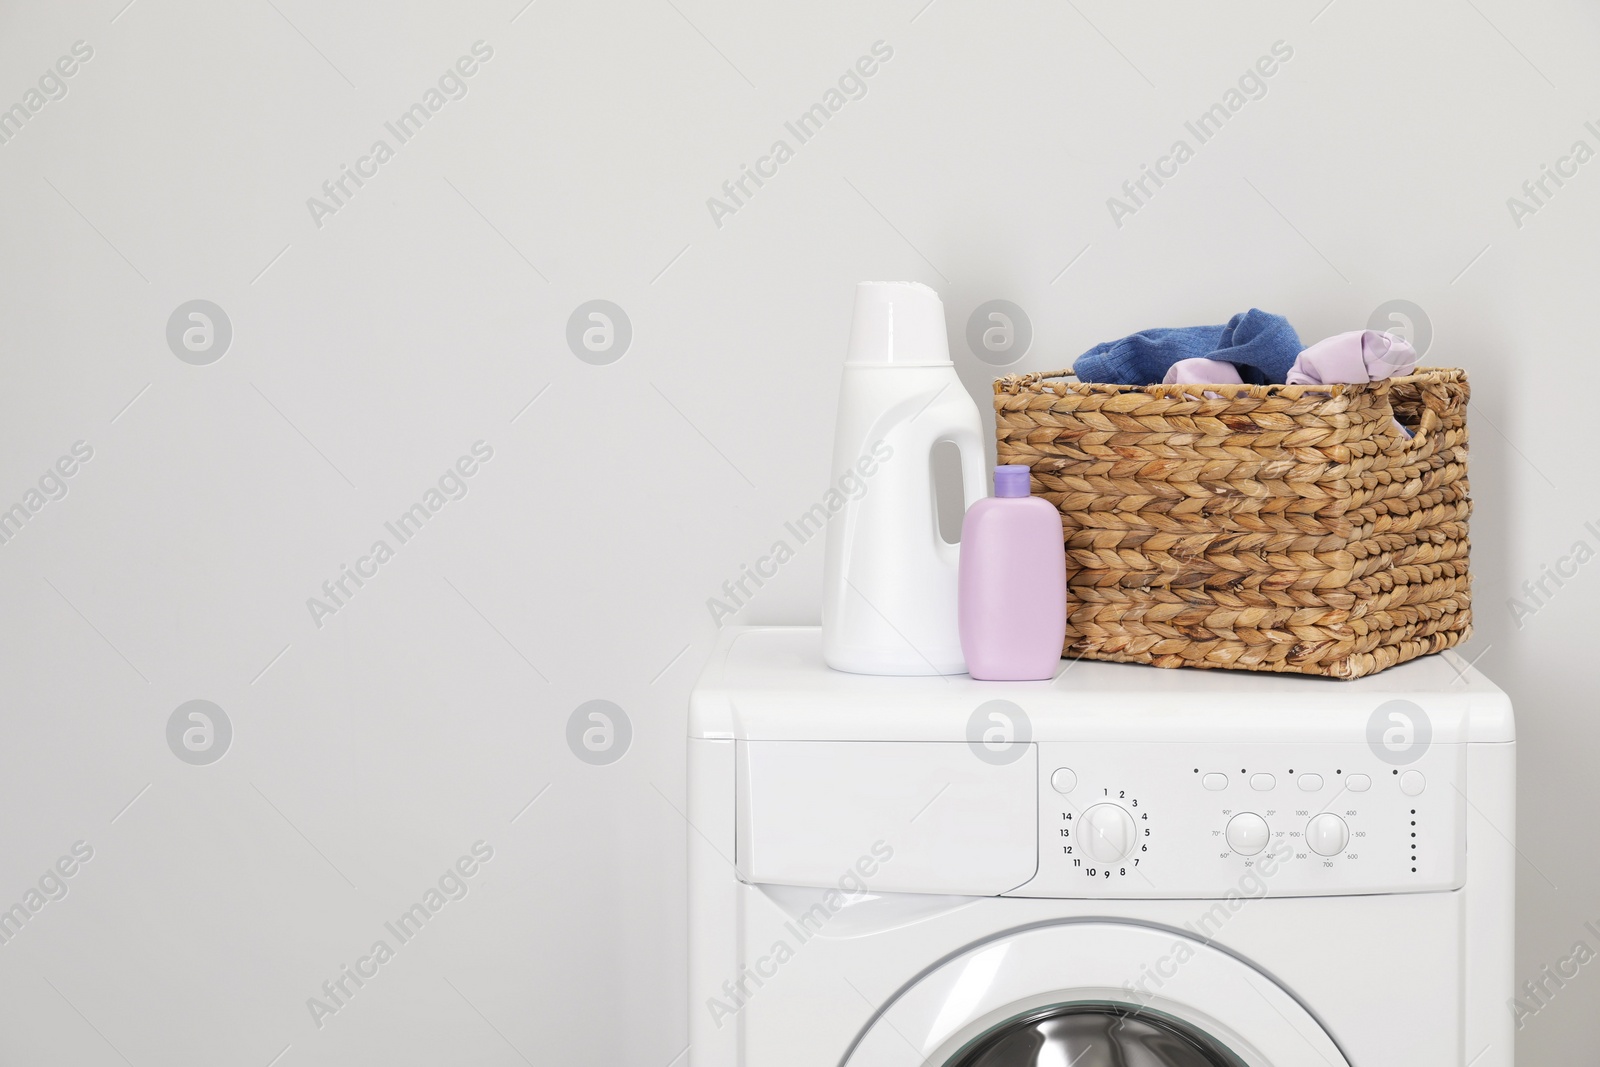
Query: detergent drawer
<point x="888" y="816"/>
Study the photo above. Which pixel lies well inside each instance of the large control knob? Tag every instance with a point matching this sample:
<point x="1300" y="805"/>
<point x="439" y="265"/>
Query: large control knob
<point x="1247" y="833"/>
<point x="1107" y="833"/>
<point x="1327" y="834"/>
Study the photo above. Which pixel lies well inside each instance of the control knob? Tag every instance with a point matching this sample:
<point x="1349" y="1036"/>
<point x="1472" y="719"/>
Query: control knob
<point x="1247" y="833"/>
<point x="1327" y="834"/>
<point x="1107" y="832"/>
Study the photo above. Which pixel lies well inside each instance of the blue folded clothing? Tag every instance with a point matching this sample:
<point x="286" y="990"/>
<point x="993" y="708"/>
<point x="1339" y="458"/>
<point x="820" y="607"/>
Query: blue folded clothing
<point x="1261" y="345"/>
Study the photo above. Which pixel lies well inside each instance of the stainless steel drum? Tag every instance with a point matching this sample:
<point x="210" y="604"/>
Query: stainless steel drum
<point x="1095" y="1035"/>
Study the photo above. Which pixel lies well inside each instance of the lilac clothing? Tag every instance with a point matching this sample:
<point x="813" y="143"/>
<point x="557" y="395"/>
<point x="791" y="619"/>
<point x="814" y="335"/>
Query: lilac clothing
<point x="1352" y="358"/>
<point x="1202" y="371"/>
<point x="1355" y="357"/>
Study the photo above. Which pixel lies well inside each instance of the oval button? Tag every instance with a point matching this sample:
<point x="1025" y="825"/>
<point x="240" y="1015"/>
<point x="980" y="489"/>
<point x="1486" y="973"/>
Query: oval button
<point x="1262" y="782"/>
<point x="1215" y="782"/>
<point x="1327" y="834"/>
<point x="1247" y="833"/>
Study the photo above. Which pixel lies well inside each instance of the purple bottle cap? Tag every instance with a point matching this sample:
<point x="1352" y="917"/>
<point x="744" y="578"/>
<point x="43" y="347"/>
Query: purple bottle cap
<point x="1011" y="479"/>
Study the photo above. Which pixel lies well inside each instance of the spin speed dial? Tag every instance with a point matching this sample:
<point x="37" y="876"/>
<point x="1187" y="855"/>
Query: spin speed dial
<point x="1327" y="834"/>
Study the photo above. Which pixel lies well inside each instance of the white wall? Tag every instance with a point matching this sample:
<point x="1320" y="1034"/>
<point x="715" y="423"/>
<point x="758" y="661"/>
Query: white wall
<point x="371" y="351"/>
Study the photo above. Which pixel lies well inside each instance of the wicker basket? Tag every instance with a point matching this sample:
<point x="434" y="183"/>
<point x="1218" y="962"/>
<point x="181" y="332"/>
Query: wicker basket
<point x="1267" y="528"/>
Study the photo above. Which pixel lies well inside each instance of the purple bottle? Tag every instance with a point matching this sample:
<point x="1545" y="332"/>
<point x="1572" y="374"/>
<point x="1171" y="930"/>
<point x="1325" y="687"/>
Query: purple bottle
<point x="1012" y="596"/>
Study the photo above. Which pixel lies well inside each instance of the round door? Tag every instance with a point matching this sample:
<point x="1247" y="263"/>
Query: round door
<point x="1096" y="1035"/>
<point x="1093" y="994"/>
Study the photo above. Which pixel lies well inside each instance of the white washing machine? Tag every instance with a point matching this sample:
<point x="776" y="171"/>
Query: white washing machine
<point x="1123" y="867"/>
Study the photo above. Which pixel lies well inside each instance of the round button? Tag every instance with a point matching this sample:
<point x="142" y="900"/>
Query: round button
<point x="1412" y="783"/>
<point x="1063" y="781"/>
<point x="1107" y="832"/>
<point x="1327" y="834"/>
<point x="1247" y="833"/>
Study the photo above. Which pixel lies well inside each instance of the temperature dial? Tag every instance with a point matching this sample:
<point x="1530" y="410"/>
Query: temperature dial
<point x="1247" y="833"/>
<point x="1327" y="834"/>
<point x="1107" y="832"/>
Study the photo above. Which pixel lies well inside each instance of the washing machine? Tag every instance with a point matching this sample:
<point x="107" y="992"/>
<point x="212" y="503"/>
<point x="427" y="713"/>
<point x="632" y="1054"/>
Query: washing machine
<point x="1121" y="867"/>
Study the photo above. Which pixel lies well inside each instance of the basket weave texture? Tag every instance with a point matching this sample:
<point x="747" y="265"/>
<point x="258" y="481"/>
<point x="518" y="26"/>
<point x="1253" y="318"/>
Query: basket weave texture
<point x="1266" y="527"/>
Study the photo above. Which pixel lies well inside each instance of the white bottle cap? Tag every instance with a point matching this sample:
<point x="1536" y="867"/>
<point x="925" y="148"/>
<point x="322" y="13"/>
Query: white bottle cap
<point x="900" y="323"/>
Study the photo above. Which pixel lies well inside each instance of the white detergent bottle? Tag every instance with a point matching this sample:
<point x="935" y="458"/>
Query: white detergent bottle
<point x="890" y="578"/>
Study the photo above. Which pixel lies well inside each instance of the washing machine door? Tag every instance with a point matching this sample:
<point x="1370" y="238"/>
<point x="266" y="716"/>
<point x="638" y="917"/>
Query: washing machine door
<point x="1096" y="1035"/>
<point x="1093" y="994"/>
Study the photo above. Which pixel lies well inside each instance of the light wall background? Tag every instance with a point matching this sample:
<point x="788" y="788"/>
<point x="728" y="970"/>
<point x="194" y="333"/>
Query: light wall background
<point x="430" y="312"/>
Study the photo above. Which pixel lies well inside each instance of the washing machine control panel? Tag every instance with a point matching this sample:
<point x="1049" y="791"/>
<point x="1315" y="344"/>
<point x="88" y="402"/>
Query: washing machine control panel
<point x="1173" y="820"/>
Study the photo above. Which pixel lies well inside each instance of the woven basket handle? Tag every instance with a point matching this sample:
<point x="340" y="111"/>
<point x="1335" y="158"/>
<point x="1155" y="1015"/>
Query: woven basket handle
<point x="1427" y="422"/>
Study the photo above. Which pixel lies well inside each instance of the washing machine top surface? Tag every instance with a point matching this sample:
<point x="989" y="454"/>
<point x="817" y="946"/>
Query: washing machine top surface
<point x="771" y="684"/>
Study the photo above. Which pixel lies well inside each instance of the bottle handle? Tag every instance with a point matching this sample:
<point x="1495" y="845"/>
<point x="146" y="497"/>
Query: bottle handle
<point x="974" y="471"/>
<point x="974" y="481"/>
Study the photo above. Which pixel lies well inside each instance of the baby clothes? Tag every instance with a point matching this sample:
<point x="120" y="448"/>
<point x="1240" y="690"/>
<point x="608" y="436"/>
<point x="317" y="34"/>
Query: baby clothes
<point x="1254" y="347"/>
<point x="1261" y="346"/>
<point x="1354" y="357"/>
<point x="1200" y="371"/>
<point x="1351" y="358"/>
